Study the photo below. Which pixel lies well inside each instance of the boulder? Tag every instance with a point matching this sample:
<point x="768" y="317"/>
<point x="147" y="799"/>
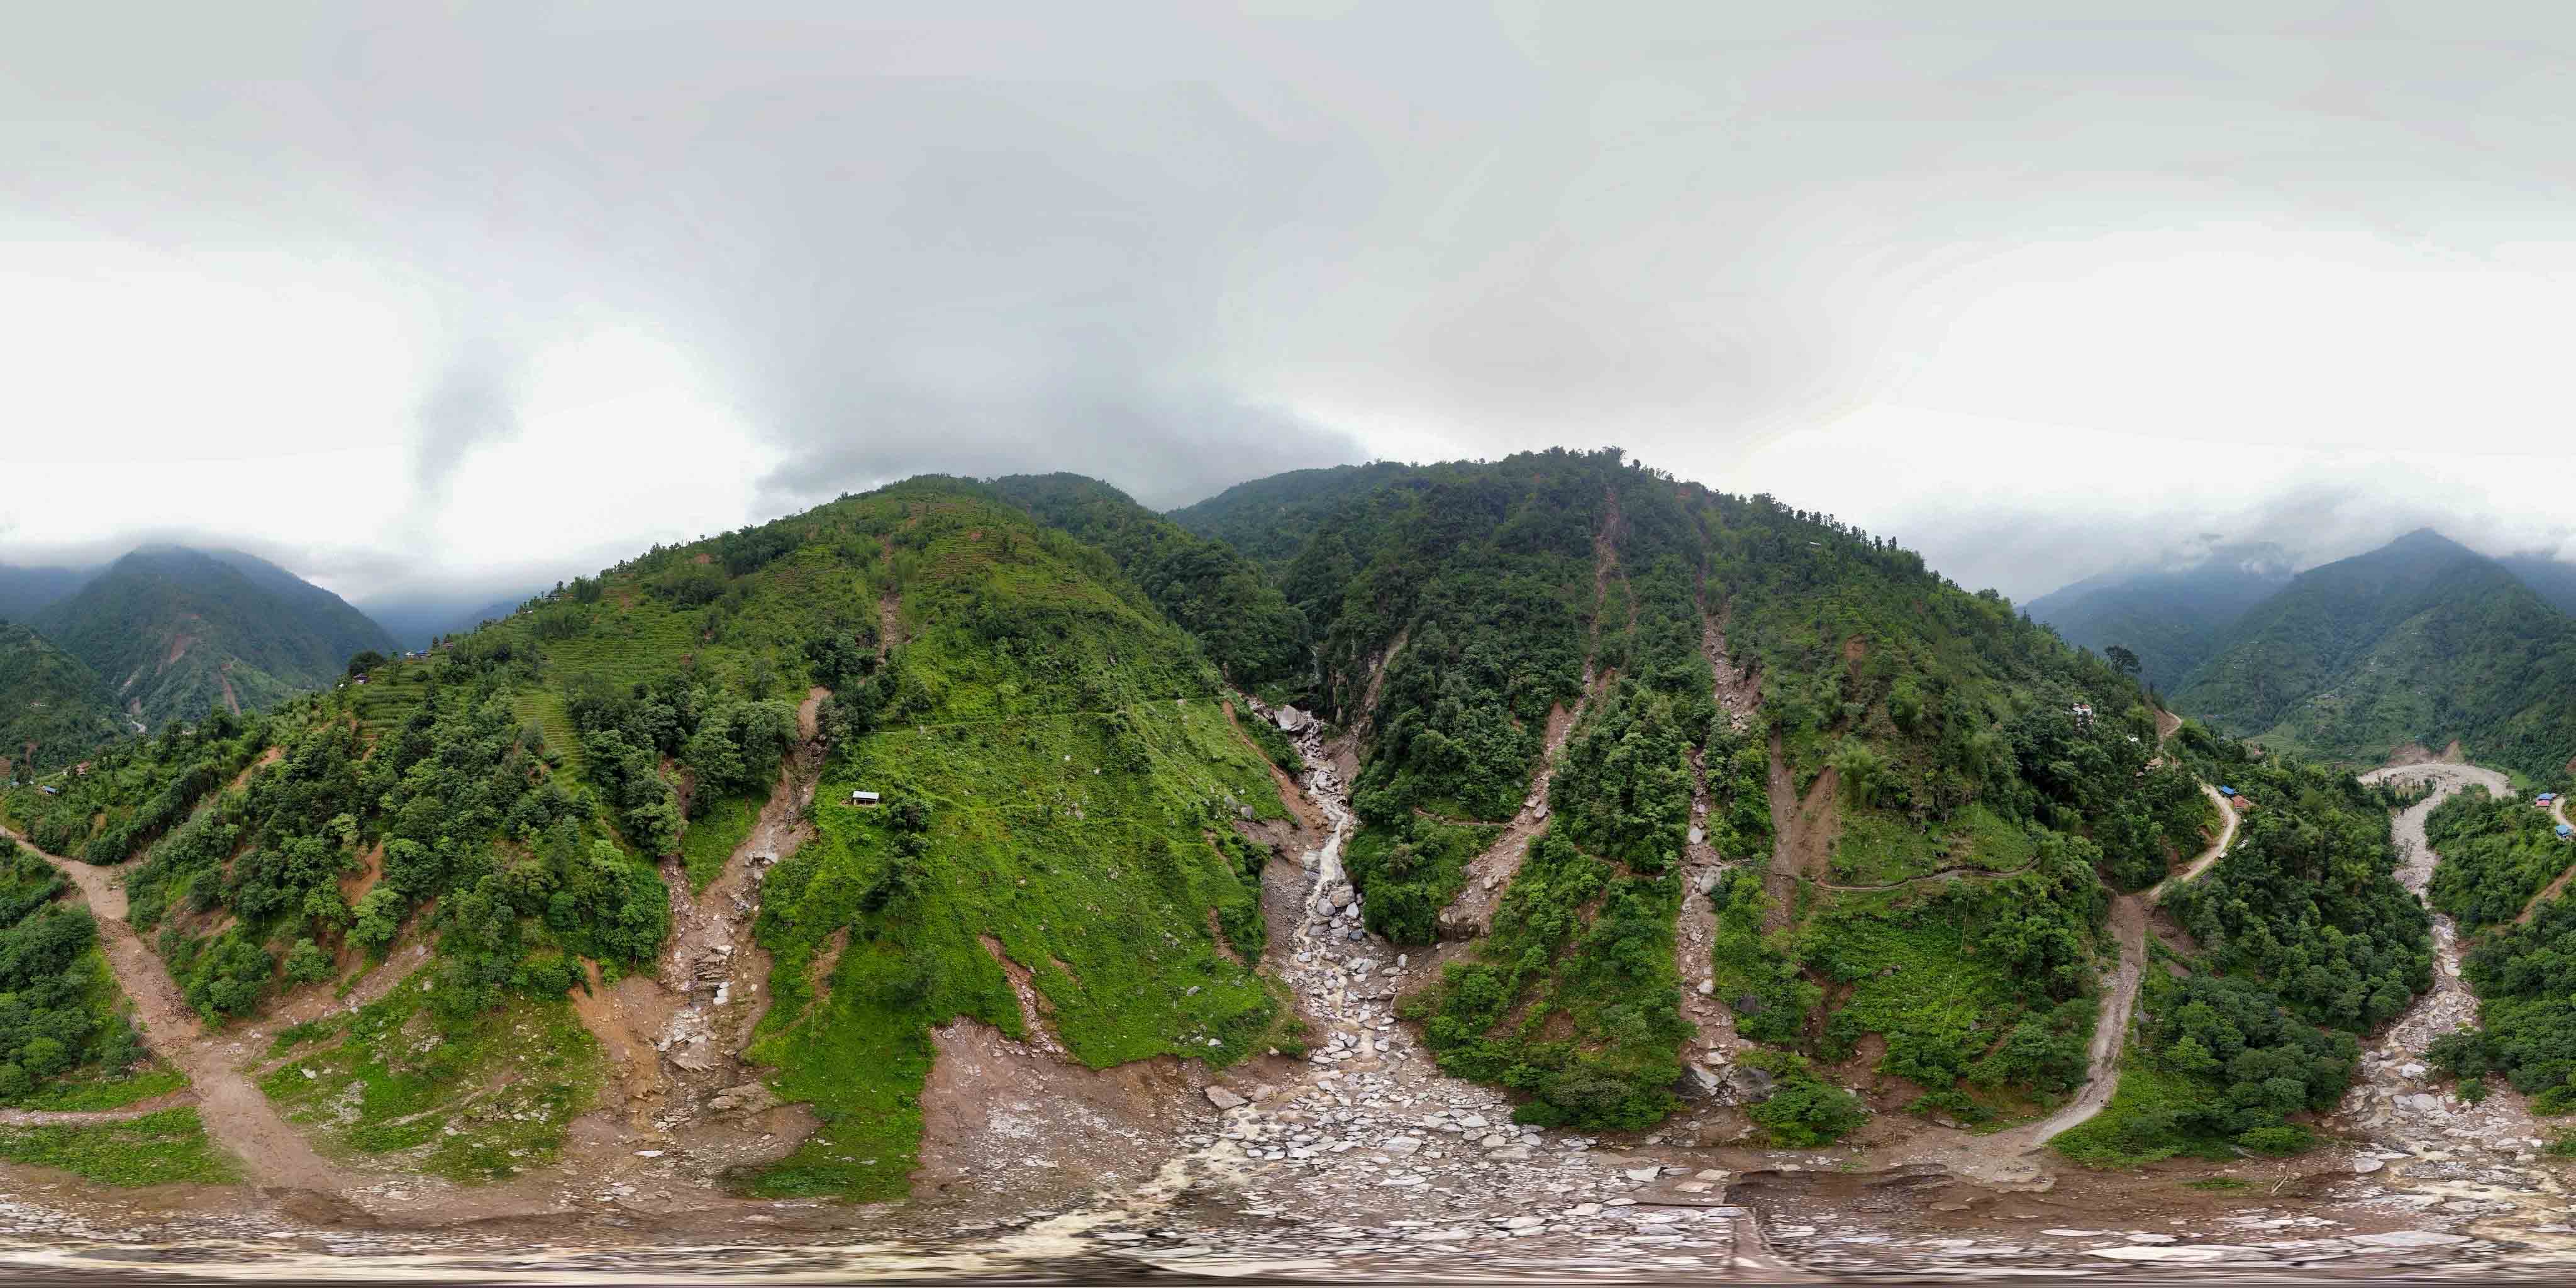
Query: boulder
<point x="749" y="1098"/>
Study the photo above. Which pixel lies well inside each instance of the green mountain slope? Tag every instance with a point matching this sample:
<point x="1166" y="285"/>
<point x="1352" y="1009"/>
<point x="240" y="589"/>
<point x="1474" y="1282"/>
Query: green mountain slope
<point x="2171" y="619"/>
<point x="52" y="708"/>
<point x="1271" y="519"/>
<point x="2421" y="641"/>
<point x="1782" y="761"/>
<point x="1933" y="723"/>
<point x="1062" y="784"/>
<point x="1204" y="586"/>
<point x="174" y="632"/>
<point x="1906" y="837"/>
<point x="25" y="592"/>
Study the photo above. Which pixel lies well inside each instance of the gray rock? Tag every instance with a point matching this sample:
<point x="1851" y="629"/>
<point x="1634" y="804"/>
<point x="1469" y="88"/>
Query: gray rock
<point x="749" y="1098"/>
<point x="1223" y="1099"/>
<point x="2408" y="1239"/>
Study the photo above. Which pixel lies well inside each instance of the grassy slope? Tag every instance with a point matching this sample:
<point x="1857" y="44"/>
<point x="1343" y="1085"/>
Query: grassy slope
<point x="1237" y="615"/>
<point x="1075" y="777"/>
<point x="157" y="1149"/>
<point x="1075" y="781"/>
<point x="471" y="1104"/>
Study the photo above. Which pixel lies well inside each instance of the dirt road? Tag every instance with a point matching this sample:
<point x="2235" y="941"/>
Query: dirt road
<point x="2110" y="1030"/>
<point x="2004" y="1157"/>
<point x="236" y="1114"/>
<point x="2227" y="820"/>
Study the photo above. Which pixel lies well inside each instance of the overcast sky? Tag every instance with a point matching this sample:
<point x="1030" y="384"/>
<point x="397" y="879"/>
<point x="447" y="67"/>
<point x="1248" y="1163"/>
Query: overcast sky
<point x="413" y="294"/>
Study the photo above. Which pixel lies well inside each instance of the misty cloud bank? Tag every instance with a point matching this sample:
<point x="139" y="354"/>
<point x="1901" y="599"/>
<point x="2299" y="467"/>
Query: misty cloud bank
<point x="403" y="297"/>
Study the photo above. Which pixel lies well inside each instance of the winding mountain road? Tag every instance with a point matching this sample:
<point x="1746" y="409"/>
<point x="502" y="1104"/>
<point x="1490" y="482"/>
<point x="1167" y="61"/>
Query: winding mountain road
<point x="2002" y="1156"/>
<point x="2226" y="837"/>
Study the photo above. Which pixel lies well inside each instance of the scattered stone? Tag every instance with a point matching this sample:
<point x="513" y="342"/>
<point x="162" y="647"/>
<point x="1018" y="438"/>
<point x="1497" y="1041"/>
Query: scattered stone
<point x="2409" y="1239"/>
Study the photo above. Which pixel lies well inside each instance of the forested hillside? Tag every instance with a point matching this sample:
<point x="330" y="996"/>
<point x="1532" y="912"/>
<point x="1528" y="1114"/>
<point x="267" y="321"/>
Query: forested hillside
<point x="1061" y="783"/>
<point x="2505" y="875"/>
<point x="1663" y="778"/>
<point x="52" y="708"/>
<point x="1270" y="519"/>
<point x="2171" y="620"/>
<point x="175" y="632"/>
<point x="1903" y="727"/>
<point x="1204" y="586"/>
<point x="2420" y="641"/>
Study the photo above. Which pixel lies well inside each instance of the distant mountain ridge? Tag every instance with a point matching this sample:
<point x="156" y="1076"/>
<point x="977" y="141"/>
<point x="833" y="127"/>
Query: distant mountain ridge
<point x="173" y="631"/>
<point x="417" y="621"/>
<point x="2172" y="619"/>
<point x="2422" y="640"/>
<point x="2552" y="579"/>
<point x="25" y="592"/>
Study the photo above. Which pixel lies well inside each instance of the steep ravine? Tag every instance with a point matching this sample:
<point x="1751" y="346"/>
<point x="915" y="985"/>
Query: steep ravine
<point x="1365" y="1133"/>
<point x="2486" y="1157"/>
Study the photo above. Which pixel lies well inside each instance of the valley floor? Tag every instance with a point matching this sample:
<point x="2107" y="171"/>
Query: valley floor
<point x="1361" y="1159"/>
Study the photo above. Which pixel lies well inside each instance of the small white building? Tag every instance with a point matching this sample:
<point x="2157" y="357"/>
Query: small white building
<point x="863" y="798"/>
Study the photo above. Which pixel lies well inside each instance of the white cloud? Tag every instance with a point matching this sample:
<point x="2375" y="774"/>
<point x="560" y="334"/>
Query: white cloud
<point x="619" y="447"/>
